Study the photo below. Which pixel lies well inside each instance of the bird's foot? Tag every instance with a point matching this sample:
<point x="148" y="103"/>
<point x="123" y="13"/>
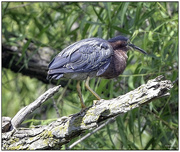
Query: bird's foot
<point x="95" y="102"/>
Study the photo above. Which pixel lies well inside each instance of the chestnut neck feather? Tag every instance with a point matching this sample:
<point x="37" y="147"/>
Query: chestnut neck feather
<point x="119" y="45"/>
<point x="117" y="65"/>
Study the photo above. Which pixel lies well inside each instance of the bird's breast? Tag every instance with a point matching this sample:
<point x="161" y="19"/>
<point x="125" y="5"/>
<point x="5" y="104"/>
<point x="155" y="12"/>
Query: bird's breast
<point x="117" y="65"/>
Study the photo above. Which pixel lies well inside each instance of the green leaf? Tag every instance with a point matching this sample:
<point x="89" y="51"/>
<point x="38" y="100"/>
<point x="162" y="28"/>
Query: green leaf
<point x="138" y="13"/>
<point x="108" y="8"/>
<point x="122" y="131"/>
<point x="123" y="12"/>
<point x="120" y="30"/>
<point x="131" y="82"/>
<point x="98" y="15"/>
<point x="146" y="16"/>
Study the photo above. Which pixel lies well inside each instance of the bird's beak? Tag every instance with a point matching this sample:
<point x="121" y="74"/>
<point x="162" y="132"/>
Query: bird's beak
<point x="137" y="48"/>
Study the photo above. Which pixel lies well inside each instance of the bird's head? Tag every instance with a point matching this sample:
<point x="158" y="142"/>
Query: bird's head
<point x="121" y="42"/>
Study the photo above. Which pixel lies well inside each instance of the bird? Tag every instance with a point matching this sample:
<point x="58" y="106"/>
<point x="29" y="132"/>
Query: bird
<point x="89" y="58"/>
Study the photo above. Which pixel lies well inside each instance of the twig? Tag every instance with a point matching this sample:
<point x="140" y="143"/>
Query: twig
<point x="63" y="92"/>
<point x="89" y="134"/>
<point x="175" y="80"/>
<point x="56" y="108"/>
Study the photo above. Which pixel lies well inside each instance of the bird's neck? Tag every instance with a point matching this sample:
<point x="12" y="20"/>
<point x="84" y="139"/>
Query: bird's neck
<point x="120" y="58"/>
<point x="121" y="55"/>
<point x="117" y="65"/>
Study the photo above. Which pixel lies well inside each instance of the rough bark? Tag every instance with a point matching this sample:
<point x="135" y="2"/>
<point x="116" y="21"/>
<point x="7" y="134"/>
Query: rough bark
<point x="64" y="129"/>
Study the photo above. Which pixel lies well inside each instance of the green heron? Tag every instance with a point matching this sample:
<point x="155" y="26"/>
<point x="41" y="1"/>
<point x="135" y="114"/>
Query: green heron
<point x="92" y="57"/>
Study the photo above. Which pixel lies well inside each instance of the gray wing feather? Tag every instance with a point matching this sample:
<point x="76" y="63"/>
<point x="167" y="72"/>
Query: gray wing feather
<point x="83" y="56"/>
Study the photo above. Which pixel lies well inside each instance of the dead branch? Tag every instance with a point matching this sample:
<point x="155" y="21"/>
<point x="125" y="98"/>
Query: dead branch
<point x="21" y="115"/>
<point x="64" y="129"/>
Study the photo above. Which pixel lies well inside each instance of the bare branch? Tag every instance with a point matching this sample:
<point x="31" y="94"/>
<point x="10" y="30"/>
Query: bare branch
<point x="64" y="129"/>
<point x="21" y="115"/>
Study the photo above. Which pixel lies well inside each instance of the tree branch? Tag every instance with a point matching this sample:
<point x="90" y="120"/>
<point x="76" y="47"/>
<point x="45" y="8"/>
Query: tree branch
<point x="21" y="115"/>
<point x="28" y="57"/>
<point x="64" y="129"/>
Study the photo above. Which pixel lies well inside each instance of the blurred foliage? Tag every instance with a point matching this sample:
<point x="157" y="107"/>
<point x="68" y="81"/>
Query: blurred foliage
<point x="153" y="26"/>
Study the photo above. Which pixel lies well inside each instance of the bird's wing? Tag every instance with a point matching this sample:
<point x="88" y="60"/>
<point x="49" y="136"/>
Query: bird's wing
<point x="87" y="55"/>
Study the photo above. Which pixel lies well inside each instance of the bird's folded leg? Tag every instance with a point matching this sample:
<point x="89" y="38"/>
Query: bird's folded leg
<point x="88" y="87"/>
<point x="80" y="95"/>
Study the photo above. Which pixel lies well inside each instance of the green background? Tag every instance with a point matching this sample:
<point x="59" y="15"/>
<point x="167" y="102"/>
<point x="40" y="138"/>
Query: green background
<point x="153" y="26"/>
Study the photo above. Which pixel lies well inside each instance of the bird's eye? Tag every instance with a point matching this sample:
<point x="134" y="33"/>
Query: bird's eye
<point x="124" y="43"/>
